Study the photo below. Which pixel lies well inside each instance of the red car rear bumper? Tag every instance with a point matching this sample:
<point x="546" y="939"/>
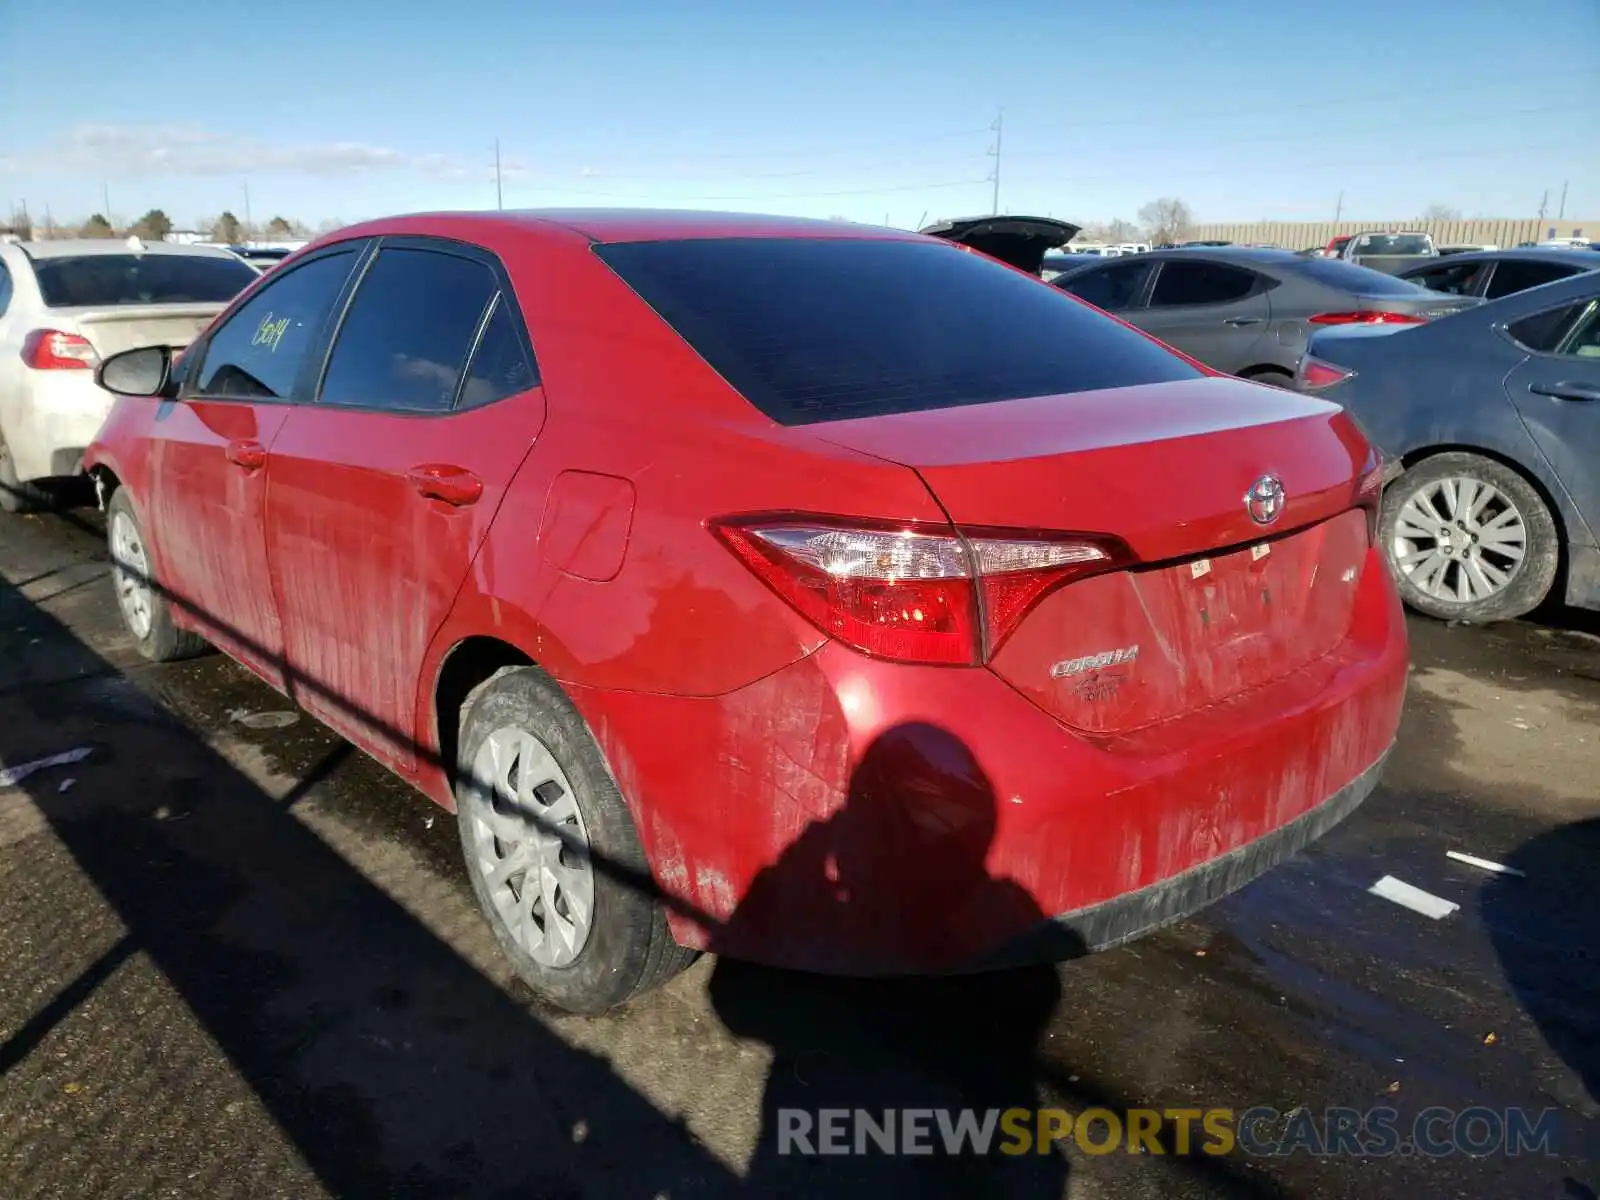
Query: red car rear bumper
<point x="859" y="817"/>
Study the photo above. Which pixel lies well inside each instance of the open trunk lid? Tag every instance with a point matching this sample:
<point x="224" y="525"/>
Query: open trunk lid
<point x="1217" y="601"/>
<point x="1022" y="242"/>
<point x="124" y="327"/>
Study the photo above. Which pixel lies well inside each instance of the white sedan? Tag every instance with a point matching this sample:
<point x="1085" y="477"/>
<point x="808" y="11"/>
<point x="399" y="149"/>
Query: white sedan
<point x="65" y="305"/>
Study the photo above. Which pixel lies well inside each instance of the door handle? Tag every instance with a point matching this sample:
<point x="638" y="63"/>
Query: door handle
<point x="1237" y="321"/>
<point x="249" y="455"/>
<point x="456" y="486"/>
<point x="1566" y="391"/>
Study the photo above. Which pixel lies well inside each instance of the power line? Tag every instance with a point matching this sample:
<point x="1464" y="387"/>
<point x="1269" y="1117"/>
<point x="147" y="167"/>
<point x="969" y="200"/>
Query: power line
<point x="1411" y="127"/>
<point x="909" y="187"/>
<point x="1283" y="168"/>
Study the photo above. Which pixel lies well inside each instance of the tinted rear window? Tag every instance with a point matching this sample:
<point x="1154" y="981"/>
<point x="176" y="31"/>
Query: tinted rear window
<point x="1347" y="277"/>
<point x="110" y="280"/>
<point x="826" y="329"/>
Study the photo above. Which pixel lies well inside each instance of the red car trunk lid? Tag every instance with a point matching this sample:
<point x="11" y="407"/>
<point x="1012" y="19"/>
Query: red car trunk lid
<point x="1218" y="602"/>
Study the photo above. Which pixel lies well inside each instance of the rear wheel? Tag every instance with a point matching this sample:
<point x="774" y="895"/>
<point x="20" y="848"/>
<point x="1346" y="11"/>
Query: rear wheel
<point x="1271" y="376"/>
<point x="552" y="852"/>
<point x="16" y="496"/>
<point x="146" y="612"/>
<point x="1469" y="539"/>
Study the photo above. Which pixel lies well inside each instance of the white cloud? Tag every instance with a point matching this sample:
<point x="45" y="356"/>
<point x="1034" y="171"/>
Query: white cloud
<point x="119" y="151"/>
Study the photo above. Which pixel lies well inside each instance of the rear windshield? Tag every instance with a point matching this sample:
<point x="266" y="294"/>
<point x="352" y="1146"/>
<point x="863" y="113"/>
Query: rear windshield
<point x="1348" y="277"/>
<point x="111" y="280"/>
<point x="1394" y="243"/>
<point x="825" y="329"/>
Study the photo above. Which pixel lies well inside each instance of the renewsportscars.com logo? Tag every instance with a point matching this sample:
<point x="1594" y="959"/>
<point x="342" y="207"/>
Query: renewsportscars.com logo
<point x="1259" y="1131"/>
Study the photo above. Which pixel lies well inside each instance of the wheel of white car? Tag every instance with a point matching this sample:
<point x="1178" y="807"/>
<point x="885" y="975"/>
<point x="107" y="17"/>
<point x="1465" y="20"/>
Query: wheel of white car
<point x="1469" y="539"/>
<point x="146" y="611"/>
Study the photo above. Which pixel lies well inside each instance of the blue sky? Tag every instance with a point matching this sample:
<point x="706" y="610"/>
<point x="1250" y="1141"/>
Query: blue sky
<point x="346" y="109"/>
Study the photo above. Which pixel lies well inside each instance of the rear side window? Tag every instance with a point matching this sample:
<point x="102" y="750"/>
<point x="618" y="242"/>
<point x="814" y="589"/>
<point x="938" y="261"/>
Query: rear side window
<point x="258" y="352"/>
<point x="1113" y="289"/>
<point x="820" y="329"/>
<point x="1514" y="276"/>
<point x="1545" y="331"/>
<point x="1182" y="282"/>
<point x="1459" y="279"/>
<point x="405" y="339"/>
<point x="1347" y="277"/>
<point x="5" y="289"/>
<point x="500" y="365"/>
<point x="112" y="280"/>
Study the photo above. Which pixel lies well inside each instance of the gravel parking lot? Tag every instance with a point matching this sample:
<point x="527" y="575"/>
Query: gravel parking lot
<point x="240" y="959"/>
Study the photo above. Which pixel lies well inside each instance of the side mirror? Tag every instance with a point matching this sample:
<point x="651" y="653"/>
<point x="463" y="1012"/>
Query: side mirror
<point x="146" y="371"/>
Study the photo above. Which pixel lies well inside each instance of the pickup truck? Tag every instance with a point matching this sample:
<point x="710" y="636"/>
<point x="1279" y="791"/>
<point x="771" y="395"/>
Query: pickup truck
<point x="1390" y="253"/>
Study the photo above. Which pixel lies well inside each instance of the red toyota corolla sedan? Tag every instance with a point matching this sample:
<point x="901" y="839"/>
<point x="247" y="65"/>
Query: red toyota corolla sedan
<point x="821" y="595"/>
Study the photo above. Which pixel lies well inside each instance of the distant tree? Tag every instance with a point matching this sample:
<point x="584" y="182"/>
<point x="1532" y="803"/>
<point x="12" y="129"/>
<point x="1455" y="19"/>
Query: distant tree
<point x="329" y="225"/>
<point x="279" y="228"/>
<point x="97" y="227"/>
<point x="1117" y="230"/>
<point x="153" y="226"/>
<point x="1166" y="220"/>
<point x="227" y="230"/>
<point x="1441" y="212"/>
<point x="21" y="227"/>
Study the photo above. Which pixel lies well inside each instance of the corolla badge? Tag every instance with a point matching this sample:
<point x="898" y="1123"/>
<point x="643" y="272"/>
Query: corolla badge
<point x="1264" y="501"/>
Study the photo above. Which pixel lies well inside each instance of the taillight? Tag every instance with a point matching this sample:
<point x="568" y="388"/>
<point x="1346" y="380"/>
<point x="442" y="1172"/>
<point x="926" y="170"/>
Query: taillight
<point x="1314" y="374"/>
<point x="912" y="594"/>
<point x="1365" y="317"/>
<point x="52" y="350"/>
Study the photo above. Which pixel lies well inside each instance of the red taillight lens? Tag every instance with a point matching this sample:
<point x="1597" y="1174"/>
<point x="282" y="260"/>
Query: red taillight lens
<point x="1314" y="374"/>
<point x="52" y="350"/>
<point x="913" y="595"/>
<point x="1366" y="318"/>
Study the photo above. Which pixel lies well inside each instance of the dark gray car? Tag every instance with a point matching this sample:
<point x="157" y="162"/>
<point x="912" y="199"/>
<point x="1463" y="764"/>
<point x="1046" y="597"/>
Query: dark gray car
<point x="1247" y="311"/>
<point x="1496" y="273"/>
<point x="1490" y="421"/>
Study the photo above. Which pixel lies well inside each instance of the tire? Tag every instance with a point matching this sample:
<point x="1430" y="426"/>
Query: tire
<point x="16" y="496"/>
<point x="1272" y="377"/>
<point x="626" y="948"/>
<point x="1500" y="560"/>
<point x="153" y="632"/>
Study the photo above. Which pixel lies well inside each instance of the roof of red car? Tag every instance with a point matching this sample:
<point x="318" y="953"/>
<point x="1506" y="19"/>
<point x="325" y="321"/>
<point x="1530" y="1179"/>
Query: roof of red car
<point x="642" y="224"/>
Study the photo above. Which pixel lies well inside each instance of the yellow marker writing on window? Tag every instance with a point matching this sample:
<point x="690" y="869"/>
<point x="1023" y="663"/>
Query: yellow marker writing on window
<point x="269" y="333"/>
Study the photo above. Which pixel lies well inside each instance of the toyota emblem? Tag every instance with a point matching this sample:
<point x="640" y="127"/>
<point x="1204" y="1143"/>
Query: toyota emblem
<point x="1264" y="500"/>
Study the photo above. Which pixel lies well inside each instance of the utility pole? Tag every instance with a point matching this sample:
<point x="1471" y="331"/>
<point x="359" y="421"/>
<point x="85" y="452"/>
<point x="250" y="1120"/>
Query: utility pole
<point x="499" y="194"/>
<point x="105" y="194"/>
<point x="994" y="152"/>
<point x="1338" y="207"/>
<point x="1544" y="203"/>
<point x="1562" y="211"/>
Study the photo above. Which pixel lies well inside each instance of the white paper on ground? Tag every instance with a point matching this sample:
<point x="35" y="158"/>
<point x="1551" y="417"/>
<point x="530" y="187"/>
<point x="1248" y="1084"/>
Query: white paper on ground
<point x="1414" y="898"/>
<point x="11" y="776"/>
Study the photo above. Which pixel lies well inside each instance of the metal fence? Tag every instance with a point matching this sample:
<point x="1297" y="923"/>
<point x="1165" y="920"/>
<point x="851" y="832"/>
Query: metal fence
<point x="1298" y="235"/>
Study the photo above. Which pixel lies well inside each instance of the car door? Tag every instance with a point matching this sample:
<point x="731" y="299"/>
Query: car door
<point x="208" y="456"/>
<point x="1213" y="311"/>
<point x="1557" y="391"/>
<point x="382" y="490"/>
